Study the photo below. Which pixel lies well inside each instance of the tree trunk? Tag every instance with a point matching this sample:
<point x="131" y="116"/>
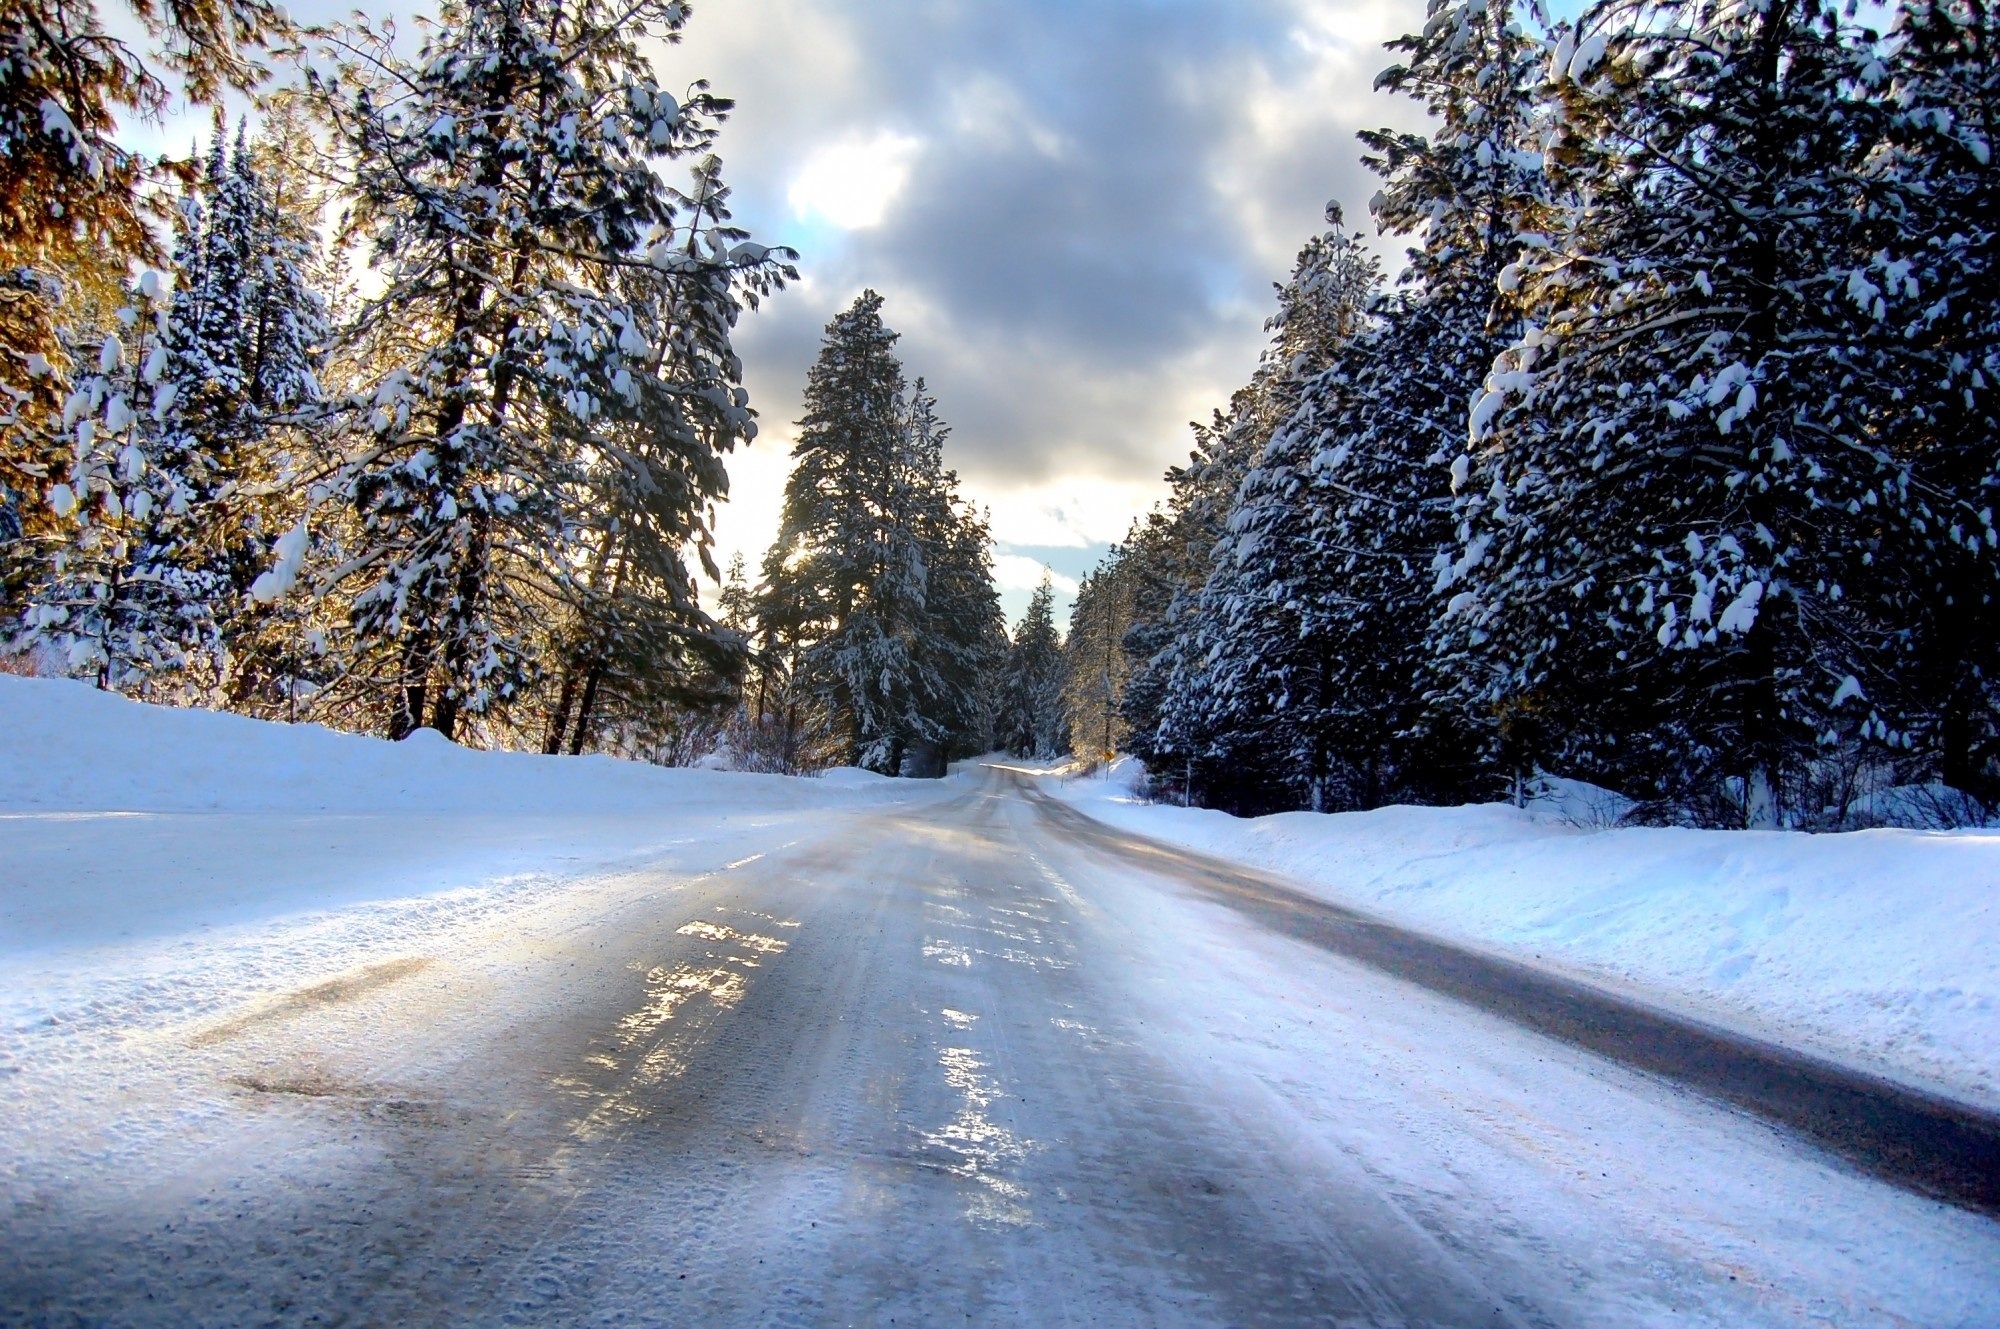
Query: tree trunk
<point x="559" y="722"/>
<point x="1962" y="763"/>
<point x="584" y="710"/>
<point x="1763" y="743"/>
<point x="407" y="710"/>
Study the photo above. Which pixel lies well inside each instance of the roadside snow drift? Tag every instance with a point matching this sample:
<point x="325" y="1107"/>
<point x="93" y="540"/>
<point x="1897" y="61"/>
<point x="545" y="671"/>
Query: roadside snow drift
<point x="1879" y="948"/>
<point x="157" y="864"/>
<point x="71" y="748"/>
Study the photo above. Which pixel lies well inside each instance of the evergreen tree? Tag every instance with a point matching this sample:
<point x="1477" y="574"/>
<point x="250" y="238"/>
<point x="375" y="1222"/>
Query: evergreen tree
<point x="1714" y="304"/>
<point x="852" y="556"/>
<point x="1938" y="317"/>
<point x="1096" y="666"/>
<point x="1674" y="483"/>
<point x="290" y="320"/>
<point x="1032" y="722"/>
<point x="877" y="616"/>
<point x="638" y="644"/>
<point x="167" y="595"/>
<point x="85" y="603"/>
<point x="963" y="637"/>
<point x="278" y="644"/>
<point x="1248" y="673"/>
<point x="552" y="388"/>
<point x="75" y="202"/>
<point x="734" y="602"/>
<point x="1170" y="567"/>
<point x="786" y="729"/>
<point x="1323" y="591"/>
<point x="203" y="425"/>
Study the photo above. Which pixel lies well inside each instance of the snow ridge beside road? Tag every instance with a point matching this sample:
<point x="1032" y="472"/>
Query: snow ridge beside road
<point x="160" y="864"/>
<point x="1879" y="949"/>
<point x="67" y="747"/>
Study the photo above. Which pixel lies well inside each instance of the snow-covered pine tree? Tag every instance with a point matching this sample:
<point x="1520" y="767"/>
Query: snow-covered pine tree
<point x="1170" y="565"/>
<point x="963" y="634"/>
<point x="1095" y="663"/>
<point x="877" y="619"/>
<point x="851" y="561"/>
<point x="1249" y="674"/>
<point x="83" y="603"/>
<point x="786" y="730"/>
<point x="71" y="193"/>
<point x="1163" y="560"/>
<point x="1323" y="590"/>
<point x="278" y="646"/>
<point x="201" y="425"/>
<point x="546" y="300"/>
<point x="290" y="320"/>
<point x="733" y="601"/>
<point x="1938" y="285"/>
<point x="843" y="554"/>
<point x="1671" y="487"/>
<point x="1032" y="722"/>
<point x="637" y="644"/>
<point x="891" y="645"/>
<point x="169" y="603"/>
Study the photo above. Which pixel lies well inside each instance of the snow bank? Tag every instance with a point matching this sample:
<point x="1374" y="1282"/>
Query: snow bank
<point x="158" y="865"/>
<point x="65" y="746"/>
<point x="1880" y="948"/>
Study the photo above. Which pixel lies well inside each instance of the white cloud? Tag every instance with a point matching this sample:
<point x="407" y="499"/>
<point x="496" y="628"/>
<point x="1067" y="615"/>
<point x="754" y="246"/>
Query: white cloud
<point x="1295" y="101"/>
<point x="851" y="182"/>
<point x="1068" y="514"/>
<point x="1018" y="572"/>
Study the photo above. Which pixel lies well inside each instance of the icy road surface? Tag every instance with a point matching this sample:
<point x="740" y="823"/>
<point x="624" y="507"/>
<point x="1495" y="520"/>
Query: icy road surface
<point x="939" y="1063"/>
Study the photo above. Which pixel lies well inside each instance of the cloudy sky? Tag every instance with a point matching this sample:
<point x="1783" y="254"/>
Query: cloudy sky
<point x="1074" y="209"/>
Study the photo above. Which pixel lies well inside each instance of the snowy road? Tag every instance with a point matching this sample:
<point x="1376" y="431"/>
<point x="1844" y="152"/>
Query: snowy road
<point x="946" y="1062"/>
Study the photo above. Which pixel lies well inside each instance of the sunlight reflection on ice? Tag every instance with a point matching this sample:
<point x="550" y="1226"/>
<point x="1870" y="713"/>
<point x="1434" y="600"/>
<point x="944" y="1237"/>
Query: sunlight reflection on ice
<point x="945" y="952"/>
<point x="646" y="1052"/>
<point x="978" y="1143"/>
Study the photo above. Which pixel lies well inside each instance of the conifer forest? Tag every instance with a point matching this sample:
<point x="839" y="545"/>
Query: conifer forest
<point x="1664" y="458"/>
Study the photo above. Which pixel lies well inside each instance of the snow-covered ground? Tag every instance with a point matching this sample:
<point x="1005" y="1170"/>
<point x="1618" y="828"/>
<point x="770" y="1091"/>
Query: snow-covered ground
<point x="66" y="747"/>
<point x="1878" y="948"/>
<point x="162" y="864"/>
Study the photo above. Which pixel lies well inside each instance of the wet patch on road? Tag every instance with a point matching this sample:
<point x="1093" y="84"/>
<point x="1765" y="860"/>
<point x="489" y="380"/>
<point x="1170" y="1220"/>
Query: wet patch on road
<point x="345" y="988"/>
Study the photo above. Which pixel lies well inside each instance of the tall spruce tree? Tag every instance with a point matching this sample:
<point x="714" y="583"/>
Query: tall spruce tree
<point x="1249" y="676"/>
<point x="78" y="205"/>
<point x="192" y="391"/>
<point x="1934" y="297"/>
<point x="877" y="617"/>
<point x="1096" y="665"/>
<point x="1675" y="496"/>
<point x="84" y="602"/>
<point x="963" y="637"/>
<point x="844" y="555"/>
<point x="1032" y="722"/>
<point x="1174" y="552"/>
<point x="1316" y="661"/>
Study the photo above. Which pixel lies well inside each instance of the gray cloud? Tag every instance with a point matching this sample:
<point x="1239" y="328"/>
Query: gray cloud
<point x="1098" y="198"/>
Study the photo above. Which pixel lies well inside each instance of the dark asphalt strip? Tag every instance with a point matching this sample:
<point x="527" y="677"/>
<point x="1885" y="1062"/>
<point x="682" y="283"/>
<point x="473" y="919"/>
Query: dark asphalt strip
<point x="1921" y="1141"/>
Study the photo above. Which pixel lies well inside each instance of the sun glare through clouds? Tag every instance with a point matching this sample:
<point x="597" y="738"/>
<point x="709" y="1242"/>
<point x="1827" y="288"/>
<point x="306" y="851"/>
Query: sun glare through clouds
<point x="851" y="183"/>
